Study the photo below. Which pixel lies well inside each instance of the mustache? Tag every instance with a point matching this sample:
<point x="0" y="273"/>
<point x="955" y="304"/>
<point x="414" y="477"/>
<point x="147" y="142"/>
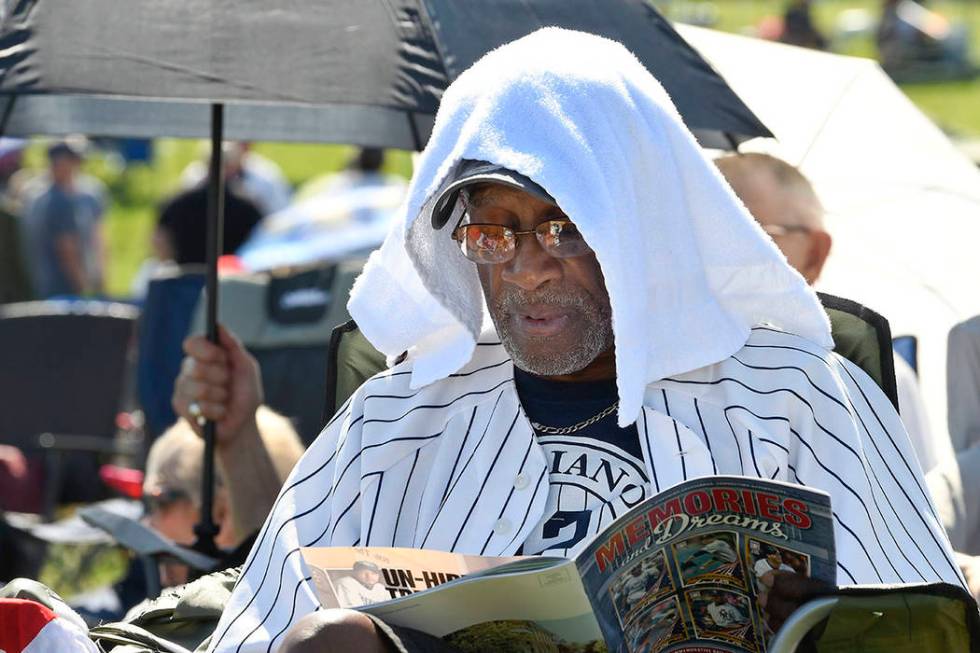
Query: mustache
<point x="515" y="298"/>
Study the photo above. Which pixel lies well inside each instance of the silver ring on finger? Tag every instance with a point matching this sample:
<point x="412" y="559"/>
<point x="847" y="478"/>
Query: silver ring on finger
<point x="194" y="409"/>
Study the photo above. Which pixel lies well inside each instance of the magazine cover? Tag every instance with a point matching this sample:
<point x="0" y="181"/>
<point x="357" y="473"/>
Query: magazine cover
<point x="680" y="572"/>
<point x="683" y="572"/>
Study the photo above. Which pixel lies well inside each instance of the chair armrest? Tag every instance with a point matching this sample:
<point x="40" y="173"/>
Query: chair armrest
<point x="89" y="443"/>
<point x="800" y="622"/>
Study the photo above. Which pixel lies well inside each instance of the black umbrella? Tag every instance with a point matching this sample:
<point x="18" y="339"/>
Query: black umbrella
<point x="367" y="72"/>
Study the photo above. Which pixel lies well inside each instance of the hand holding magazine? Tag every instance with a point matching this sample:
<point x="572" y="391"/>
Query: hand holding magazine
<point x="682" y="571"/>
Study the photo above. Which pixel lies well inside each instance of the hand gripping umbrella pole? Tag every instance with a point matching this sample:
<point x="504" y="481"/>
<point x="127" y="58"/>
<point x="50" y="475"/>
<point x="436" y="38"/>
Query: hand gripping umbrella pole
<point x="206" y="529"/>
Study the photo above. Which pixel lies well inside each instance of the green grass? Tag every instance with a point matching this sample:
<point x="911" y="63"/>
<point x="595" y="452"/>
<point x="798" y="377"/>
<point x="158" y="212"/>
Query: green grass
<point x="71" y="569"/>
<point x="955" y="106"/>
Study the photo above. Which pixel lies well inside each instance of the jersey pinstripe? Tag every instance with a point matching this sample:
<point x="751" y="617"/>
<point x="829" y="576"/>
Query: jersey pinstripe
<point x="455" y="466"/>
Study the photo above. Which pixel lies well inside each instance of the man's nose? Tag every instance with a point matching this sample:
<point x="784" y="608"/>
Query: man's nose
<point x="531" y="266"/>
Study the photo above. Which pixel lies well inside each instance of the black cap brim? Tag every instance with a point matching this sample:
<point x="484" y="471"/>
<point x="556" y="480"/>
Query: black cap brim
<point x="469" y="173"/>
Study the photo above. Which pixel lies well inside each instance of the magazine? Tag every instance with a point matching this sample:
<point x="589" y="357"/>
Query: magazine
<point x="681" y="571"/>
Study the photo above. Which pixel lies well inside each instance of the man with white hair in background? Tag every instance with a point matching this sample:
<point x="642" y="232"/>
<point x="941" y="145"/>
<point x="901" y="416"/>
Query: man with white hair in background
<point x="787" y="208"/>
<point x="578" y="292"/>
<point x="172" y="487"/>
<point x="784" y="203"/>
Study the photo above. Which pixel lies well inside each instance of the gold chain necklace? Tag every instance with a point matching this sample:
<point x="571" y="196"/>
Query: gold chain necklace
<point x="565" y="430"/>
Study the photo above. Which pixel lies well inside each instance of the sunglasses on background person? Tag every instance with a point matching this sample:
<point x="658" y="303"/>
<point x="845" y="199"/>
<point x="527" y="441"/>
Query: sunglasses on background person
<point x="159" y="500"/>
<point x="489" y="244"/>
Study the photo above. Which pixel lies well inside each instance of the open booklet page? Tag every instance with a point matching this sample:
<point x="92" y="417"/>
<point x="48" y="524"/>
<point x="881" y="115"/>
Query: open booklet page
<point x="501" y="604"/>
<point x="680" y="572"/>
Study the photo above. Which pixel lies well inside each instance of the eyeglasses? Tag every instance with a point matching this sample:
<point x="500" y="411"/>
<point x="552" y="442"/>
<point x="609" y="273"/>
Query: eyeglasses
<point x="489" y="244"/>
<point x="159" y="500"/>
<point x="784" y="229"/>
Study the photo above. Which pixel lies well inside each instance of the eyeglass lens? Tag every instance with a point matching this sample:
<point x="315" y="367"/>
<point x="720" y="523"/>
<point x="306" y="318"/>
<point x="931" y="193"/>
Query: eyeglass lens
<point x="491" y="243"/>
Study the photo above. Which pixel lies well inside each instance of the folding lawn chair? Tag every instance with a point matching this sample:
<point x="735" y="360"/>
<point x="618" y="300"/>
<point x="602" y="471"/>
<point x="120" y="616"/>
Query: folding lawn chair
<point x="864" y="338"/>
<point x="934" y="617"/>
<point x="171" y="297"/>
<point x="62" y="381"/>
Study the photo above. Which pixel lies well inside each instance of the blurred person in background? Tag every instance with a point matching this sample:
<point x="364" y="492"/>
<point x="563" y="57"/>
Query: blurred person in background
<point x="909" y="35"/>
<point x="787" y="208"/>
<point x="363" y="169"/>
<point x="963" y="384"/>
<point x="956" y="483"/>
<point x="798" y="27"/>
<point x="252" y="175"/>
<point x="172" y="489"/>
<point x="63" y="226"/>
<point x="181" y="233"/>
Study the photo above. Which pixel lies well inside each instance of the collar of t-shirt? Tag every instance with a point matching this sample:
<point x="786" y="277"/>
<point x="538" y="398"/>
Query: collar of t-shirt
<point x="562" y="403"/>
<point x="595" y="473"/>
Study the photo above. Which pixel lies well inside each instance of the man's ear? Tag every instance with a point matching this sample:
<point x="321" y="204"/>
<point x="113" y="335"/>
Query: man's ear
<point x="819" y="250"/>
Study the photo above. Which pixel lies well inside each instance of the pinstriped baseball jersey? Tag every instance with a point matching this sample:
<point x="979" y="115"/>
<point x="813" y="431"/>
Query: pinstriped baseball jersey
<point x="455" y="466"/>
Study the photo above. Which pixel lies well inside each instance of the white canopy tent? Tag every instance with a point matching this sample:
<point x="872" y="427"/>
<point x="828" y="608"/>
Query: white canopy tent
<point x="903" y="204"/>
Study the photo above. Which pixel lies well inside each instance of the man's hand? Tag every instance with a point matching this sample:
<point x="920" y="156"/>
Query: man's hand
<point x="223" y="381"/>
<point x="782" y="592"/>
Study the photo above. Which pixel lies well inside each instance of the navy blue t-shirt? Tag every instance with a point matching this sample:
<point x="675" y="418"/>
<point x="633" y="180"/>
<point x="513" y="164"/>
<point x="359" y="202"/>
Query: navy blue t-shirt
<point x="595" y="474"/>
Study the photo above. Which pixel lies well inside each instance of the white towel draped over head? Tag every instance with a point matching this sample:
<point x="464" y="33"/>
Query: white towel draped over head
<point x="687" y="269"/>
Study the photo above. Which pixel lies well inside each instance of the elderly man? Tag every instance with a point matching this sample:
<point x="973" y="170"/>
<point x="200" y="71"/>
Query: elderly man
<point x="589" y="317"/>
<point x="785" y="205"/>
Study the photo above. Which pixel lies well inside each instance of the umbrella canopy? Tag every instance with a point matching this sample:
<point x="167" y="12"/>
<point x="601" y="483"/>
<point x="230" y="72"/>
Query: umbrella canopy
<point x="903" y="204"/>
<point x="366" y="72"/>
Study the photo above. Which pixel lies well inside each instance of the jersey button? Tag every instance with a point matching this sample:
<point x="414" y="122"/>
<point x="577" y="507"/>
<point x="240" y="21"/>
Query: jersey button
<point x="521" y="481"/>
<point x="502" y="526"/>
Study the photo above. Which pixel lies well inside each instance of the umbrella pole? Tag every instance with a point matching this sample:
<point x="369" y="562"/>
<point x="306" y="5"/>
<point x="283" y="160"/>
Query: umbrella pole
<point x="206" y="530"/>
